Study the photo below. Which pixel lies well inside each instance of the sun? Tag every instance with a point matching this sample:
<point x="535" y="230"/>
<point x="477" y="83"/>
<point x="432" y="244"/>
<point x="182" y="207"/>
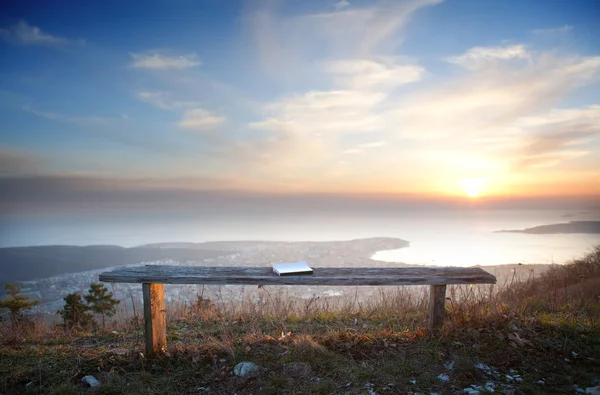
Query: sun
<point x="473" y="187"/>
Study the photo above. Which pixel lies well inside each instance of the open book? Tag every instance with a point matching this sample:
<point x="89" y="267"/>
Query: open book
<point x="292" y="269"/>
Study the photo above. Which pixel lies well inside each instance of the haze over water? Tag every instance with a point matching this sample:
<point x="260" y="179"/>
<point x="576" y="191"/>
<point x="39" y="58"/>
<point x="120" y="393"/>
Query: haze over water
<point x="437" y="237"/>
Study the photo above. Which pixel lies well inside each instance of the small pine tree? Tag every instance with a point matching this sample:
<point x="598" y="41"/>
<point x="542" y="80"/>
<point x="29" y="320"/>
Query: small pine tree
<point x="101" y="301"/>
<point x="16" y="303"/>
<point x="75" y="313"/>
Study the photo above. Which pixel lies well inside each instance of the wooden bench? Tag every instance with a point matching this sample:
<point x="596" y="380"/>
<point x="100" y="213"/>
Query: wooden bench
<point x="154" y="277"/>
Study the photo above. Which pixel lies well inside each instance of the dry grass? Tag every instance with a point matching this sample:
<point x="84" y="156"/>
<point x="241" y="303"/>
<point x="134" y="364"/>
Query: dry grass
<point x="342" y="345"/>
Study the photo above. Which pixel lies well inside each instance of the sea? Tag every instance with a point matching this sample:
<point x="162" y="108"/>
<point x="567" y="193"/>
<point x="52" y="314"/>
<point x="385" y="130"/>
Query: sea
<point x="437" y="237"/>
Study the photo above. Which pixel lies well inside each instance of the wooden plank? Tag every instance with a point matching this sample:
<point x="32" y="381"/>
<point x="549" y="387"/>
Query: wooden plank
<point x="437" y="305"/>
<point x="155" y="318"/>
<point x="322" y="276"/>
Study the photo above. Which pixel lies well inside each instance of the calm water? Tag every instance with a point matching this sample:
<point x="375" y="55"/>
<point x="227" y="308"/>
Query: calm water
<point x="440" y="237"/>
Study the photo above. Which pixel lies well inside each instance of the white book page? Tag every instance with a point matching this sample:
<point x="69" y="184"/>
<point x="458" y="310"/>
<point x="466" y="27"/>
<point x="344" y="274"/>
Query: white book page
<point x="290" y="268"/>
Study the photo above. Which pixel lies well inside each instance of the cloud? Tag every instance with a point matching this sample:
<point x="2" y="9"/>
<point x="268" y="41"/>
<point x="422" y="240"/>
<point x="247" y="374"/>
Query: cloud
<point x="479" y="124"/>
<point x="363" y="73"/>
<point x="489" y="100"/>
<point x="120" y="129"/>
<point x="340" y="111"/>
<point x="374" y="144"/>
<point x="162" y="62"/>
<point x="480" y="57"/>
<point x="561" y="30"/>
<point x="291" y="43"/>
<point x="90" y="119"/>
<point x="26" y="34"/>
<point x="361" y="147"/>
<point x="164" y="101"/>
<point x="199" y="119"/>
<point x="556" y="136"/>
<point x="342" y="4"/>
<point x="351" y="151"/>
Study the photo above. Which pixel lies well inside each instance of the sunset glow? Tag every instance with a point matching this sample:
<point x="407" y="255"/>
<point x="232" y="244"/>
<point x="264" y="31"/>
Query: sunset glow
<point x="473" y="187"/>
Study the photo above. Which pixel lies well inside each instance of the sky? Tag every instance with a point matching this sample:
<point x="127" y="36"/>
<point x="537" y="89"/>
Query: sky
<point x="113" y="105"/>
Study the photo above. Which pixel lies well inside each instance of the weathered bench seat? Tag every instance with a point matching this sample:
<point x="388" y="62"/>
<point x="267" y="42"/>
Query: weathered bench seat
<point x="153" y="277"/>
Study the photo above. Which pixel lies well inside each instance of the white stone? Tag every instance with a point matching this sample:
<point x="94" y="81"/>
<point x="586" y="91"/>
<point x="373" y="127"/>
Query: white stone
<point x="246" y="370"/>
<point x="444" y="378"/>
<point x="91" y="381"/>
<point x="593" y="390"/>
<point x="490" y="386"/>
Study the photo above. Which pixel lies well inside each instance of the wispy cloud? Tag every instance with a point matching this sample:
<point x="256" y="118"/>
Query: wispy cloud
<point x="364" y="146"/>
<point x="480" y="57"/>
<point x="287" y="43"/>
<point x="165" y="101"/>
<point x="489" y="100"/>
<point x="471" y="126"/>
<point x="374" y="144"/>
<point x="555" y="136"/>
<point x="351" y="151"/>
<point x="554" y="30"/>
<point x="342" y="4"/>
<point x="88" y="119"/>
<point x="26" y="34"/>
<point x="340" y="111"/>
<point x="71" y="118"/>
<point x="159" y="61"/>
<point x="199" y="119"/>
<point x="363" y="73"/>
<point x="120" y="129"/>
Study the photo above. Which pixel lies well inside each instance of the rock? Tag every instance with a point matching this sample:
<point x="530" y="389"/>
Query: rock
<point x="449" y="365"/>
<point x="444" y="378"/>
<point x="29" y="384"/>
<point x="246" y="370"/>
<point x="297" y="369"/>
<point x="490" y="386"/>
<point x="471" y="391"/>
<point x="91" y="381"/>
<point x="483" y="367"/>
<point x="119" y="351"/>
<point x="593" y="390"/>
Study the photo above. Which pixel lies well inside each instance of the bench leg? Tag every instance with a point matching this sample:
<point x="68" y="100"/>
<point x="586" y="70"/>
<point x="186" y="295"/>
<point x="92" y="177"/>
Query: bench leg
<point x="437" y="301"/>
<point x="155" y="318"/>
